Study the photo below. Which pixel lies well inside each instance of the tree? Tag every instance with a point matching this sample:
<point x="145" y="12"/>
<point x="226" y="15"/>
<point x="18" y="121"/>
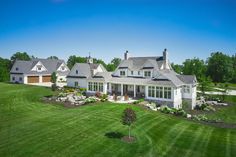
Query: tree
<point x="5" y="65"/>
<point x="195" y="67"/>
<point x="54" y="77"/>
<point x="53" y="57"/>
<point x="99" y="61"/>
<point x="234" y="67"/>
<point x="20" y="56"/>
<point x="128" y="117"/>
<point x="204" y="84"/>
<point x="225" y="90"/>
<point x="54" y="80"/>
<point x="220" y="67"/>
<point x="177" y="68"/>
<point x="111" y="67"/>
<point x="74" y="59"/>
<point x="116" y="61"/>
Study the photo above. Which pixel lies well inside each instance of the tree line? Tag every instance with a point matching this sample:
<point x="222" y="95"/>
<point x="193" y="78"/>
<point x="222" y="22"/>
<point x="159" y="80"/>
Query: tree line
<point x="218" y="67"/>
<point x="6" y="64"/>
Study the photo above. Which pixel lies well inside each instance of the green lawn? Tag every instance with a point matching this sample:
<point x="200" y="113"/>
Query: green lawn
<point x="226" y="114"/>
<point x="31" y="128"/>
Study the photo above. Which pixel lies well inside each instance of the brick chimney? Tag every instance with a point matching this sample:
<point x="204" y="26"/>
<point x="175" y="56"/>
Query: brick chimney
<point x="126" y="55"/>
<point x="165" y="59"/>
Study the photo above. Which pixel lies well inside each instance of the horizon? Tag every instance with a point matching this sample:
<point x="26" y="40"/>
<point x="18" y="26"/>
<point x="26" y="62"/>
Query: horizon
<point x="106" y="29"/>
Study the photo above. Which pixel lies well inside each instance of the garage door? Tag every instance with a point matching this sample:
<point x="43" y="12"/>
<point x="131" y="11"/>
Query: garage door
<point x="33" y="79"/>
<point x="46" y="78"/>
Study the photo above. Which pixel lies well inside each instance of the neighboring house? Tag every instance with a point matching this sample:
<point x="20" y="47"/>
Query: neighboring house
<point x="38" y="71"/>
<point x="80" y="72"/>
<point x="151" y="78"/>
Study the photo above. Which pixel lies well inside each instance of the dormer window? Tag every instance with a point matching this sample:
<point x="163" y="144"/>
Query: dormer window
<point x="39" y="68"/>
<point x="17" y="68"/>
<point x="76" y="72"/>
<point x="147" y="73"/>
<point x="122" y="73"/>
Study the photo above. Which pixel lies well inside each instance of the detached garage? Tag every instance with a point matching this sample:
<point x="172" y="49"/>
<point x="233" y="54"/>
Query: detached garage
<point x="33" y="79"/>
<point x="47" y="78"/>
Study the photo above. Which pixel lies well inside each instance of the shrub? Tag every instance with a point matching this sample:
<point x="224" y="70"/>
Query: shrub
<point x="78" y="94"/>
<point x="90" y="100"/>
<point x="82" y="89"/>
<point x="180" y="112"/>
<point x="98" y="94"/>
<point x="165" y="109"/>
<point x="104" y="97"/>
<point x="200" y="117"/>
<point x="54" y="87"/>
<point x="61" y="94"/>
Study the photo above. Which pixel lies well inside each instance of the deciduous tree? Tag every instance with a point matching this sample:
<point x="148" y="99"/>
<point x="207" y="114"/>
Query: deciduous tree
<point x="128" y="117"/>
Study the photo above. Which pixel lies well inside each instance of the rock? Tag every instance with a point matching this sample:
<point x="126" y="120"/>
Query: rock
<point x="158" y="108"/>
<point x="211" y="102"/>
<point x="222" y="104"/>
<point x="189" y="116"/>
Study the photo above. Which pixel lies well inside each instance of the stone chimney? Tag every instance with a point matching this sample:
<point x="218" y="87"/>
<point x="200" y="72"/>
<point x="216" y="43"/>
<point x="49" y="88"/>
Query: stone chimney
<point x="89" y="59"/>
<point x="126" y="55"/>
<point x="165" y="59"/>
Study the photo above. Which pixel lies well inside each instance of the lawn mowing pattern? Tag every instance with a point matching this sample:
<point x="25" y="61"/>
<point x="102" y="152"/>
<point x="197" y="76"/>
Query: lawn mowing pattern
<point x="29" y="127"/>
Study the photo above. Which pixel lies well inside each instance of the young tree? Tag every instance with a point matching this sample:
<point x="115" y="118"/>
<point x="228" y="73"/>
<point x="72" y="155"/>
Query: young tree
<point x="128" y="117"/>
<point x="204" y="83"/>
<point x="54" y="80"/>
<point x="54" y="77"/>
<point x="225" y="90"/>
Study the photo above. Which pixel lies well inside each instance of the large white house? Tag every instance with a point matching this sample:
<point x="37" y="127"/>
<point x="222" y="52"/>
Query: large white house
<point x="149" y="77"/>
<point x="38" y="71"/>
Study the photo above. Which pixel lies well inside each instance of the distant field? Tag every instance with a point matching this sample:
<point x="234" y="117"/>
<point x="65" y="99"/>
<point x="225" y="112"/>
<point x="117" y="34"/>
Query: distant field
<point x="30" y="128"/>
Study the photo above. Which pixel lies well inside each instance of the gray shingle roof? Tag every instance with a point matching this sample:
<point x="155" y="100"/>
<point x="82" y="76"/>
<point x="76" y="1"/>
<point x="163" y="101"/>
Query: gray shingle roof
<point x="188" y="79"/>
<point x="25" y="66"/>
<point x="137" y="63"/>
<point x="84" y="70"/>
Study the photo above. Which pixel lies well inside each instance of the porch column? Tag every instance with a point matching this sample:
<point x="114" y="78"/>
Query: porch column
<point x="134" y="90"/>
<point x="105" y="88"/>
<point x="109" y="88"/>
<point x="121" y="89"/>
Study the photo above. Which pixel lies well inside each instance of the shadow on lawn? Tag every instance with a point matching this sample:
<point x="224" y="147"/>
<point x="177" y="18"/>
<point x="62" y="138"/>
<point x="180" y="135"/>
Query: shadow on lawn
<point x="114" y="134"/>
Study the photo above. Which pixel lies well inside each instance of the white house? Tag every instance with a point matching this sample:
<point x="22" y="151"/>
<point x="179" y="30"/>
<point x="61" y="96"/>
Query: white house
<point x="149" y="77"/>
<point x="38" y="71"/>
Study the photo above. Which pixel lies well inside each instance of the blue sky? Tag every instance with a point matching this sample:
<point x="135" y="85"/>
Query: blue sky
<point x="107" y="28"/>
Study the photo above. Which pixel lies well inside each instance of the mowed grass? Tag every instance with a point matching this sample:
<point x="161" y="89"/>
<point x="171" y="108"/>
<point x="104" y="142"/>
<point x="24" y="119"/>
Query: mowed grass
<point x="226" y="114"/>
<point x="29" y="127"/>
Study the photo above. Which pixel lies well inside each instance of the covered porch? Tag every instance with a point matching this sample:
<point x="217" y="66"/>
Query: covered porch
<point x="131" y="90"/>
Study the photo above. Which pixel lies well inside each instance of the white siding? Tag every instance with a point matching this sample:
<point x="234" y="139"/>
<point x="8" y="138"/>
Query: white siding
<point x="82" y="82"/>
<point x="17" y="78"/>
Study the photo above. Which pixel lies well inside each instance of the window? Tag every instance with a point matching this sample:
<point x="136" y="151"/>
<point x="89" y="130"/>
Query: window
<point x="186" y="89"/>
<point x="76" y="71"/>
<point x="13" y="78"/>
<point x="167" y="92"/>
<point x="151" y="91"/>
<point x="132" y="73"/>
<point x="62" y="68"/>
<point x="20" y="79"/>
<point x="138" y="72"/>
<point x="159" y="92"/>
<point x="122" y="73"/>
<point x="147" y="73"/>
<point x="95" y="86"/>
<point x="39" y="68"/>
<point x="17" y="68"/>
<point x="76" y="84"/>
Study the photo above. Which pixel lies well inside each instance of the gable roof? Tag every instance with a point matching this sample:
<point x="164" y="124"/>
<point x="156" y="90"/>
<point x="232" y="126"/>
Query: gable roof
<point x="25" y="67"/>
<point x="188" y="79"/>
<point x="85" y="70"/>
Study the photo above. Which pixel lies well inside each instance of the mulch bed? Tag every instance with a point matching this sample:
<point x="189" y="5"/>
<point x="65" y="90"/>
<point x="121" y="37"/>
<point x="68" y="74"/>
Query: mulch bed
<point x="128" y="140"/>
